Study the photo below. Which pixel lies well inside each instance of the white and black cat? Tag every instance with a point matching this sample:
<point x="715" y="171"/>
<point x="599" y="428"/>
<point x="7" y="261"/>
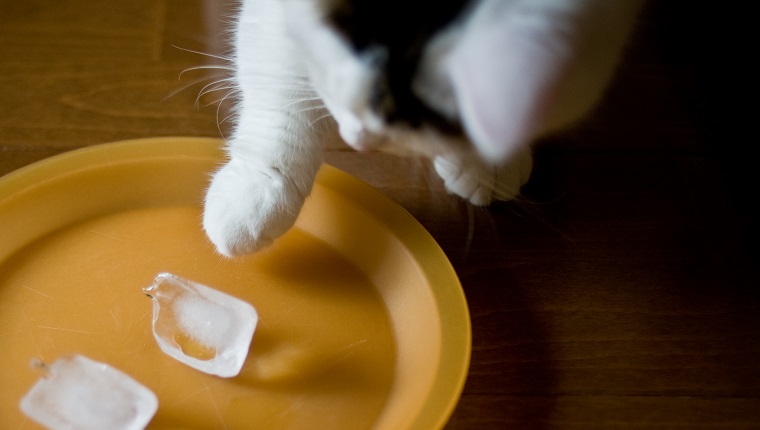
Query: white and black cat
<point x="467" y="83"/>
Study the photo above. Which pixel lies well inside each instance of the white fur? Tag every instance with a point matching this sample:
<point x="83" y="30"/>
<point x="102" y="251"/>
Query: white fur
<point x="276" y="150"/>
<point x="510" y="71"/>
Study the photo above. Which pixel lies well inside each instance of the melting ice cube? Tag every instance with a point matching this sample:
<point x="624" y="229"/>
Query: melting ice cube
<point x="79" y="393"/>
<point x="200" y="326"/>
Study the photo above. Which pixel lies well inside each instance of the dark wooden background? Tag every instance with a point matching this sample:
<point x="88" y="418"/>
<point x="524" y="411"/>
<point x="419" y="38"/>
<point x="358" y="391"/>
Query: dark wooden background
<point x="621" y="292"/>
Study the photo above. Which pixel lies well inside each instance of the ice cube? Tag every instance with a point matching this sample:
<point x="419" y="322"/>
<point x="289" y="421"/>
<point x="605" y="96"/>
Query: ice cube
<point x="202" y="327"/>
<point x="79" y="393"/>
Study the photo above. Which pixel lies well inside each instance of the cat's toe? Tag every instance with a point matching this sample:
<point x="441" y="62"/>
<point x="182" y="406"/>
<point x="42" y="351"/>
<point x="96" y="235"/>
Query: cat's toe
<point x="474" y="186"/>
<point x="246" y="210"/>
<point x="481" y="183"/>
<point x="457" y="182"/>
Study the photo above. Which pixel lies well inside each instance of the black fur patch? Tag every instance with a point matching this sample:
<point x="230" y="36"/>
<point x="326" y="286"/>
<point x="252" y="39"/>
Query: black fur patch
<point x="401" y="29"/>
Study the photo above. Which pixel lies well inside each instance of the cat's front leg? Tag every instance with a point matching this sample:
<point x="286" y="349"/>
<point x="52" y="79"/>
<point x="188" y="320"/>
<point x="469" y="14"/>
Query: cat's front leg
<point x="276" y="148"/>
<point x="274" y="157"/>
<point x="253" y="200"/>
<point x="467" y="176"/>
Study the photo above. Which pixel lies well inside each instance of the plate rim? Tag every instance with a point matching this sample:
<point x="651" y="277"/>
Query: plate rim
<point x="456" y="346"/>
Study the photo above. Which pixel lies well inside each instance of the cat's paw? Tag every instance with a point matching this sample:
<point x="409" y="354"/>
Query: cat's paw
<point x="481" y="183"/>
<point x="248" y="207"/>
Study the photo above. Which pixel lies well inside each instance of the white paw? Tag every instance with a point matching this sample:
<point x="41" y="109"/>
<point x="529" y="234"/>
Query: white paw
<point x="248" y="207"/>
<point x="482" y="183"/>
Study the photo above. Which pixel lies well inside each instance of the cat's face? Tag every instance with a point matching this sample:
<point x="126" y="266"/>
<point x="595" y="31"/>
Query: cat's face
<point x="484" y="76"/>
<point x="378" y="70"/>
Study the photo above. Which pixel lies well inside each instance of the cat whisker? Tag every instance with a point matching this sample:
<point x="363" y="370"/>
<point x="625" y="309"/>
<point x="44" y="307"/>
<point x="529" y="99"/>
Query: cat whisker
<point x="320" y="118"/>
<point x="209" y="67"/>
<point x="222" y="84"/>
<point x="185" y="87"/>
<point x="284" y="77"/>
<point x="470" y="231"/>
<point x="205" y="54"/>
<point x="195" y="82"/>
<point x="214" y="90"/>
<point x="304" y="100"/>
<point x="218" y="109"/>
<point x="501" y="191"/>
<point x="309" y="109"/>
<point x="294" y="92"/>
<point x="217" y="101"/>
<point x="230" y="116"/>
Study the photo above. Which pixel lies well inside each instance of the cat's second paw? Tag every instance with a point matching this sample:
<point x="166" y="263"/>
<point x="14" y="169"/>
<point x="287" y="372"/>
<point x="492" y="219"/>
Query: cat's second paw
<point x="481" y="183"/>
<point x="248" y="207"/>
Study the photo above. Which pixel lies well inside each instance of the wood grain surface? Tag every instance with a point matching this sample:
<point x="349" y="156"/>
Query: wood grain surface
<point x="620" y="292"/>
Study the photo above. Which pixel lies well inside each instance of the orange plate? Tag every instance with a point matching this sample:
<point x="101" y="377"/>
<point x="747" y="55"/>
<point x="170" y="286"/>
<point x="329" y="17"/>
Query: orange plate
<point x="363" y="322"/>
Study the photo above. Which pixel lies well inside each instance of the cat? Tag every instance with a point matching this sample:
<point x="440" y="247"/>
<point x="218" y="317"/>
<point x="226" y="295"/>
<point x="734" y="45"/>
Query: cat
<point x="469" y="84"/>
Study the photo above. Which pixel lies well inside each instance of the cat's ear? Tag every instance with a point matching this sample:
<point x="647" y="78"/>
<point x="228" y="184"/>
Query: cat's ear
<point x="505" y="74"/>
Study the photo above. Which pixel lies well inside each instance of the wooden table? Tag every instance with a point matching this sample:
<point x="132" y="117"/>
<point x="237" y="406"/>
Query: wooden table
<point x="621" y="292"/>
